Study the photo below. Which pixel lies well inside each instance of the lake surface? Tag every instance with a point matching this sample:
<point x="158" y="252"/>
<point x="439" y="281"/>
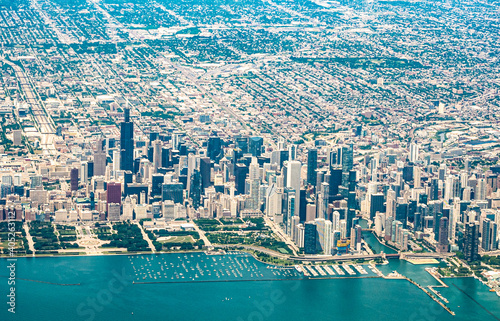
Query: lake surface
<point x="229" y="287"/>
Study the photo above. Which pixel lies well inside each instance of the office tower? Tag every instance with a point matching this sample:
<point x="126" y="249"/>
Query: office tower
<point x="113" y="194"/>
<point x="157" y="184"/>
<point x="471" y="242"/>
<point x="289" y="208"/>
<point x="322" y="200"/>
<point x="480" y="190"/>
<point x="205" y="171"/>
<point x="417" y="221"/>
<point x="99" y="159"/>
<point x="376" y="204"/>
<point x="214" y="148"/>
<point x="434" y="189"/>
<point x="293" y="179"/>
<point x="442" y="172"/>
<point x="127" y="143"/>
<point x="335" y="182"/>
<point x="114" y="212"/>
<point x="373" y="169"/>
<point x="347" y="158"/>
<point x="74" y="179"/>
<point x="312" y="165"/>
<point x="195" y="189"/>
<point x="292" y="152"/>
<point x="417" y="174"/>
<point x="84" y="172"/>
<point x="324" y="232"/>
<point x="402" y="213"/>
<point x="489" y="235"/>
<point x="177" y="140"/>
<point x="255" y="146"/>
<point x="390" y="208"/>
<point x="408" y="173"/>
<point x="157" y="159"/>
<point x="356" y="234"/>
<point x="173" y="192"/>
<point x="116" y="160"/>
<point x="240" y="174"/>
<point x="90" y="170"/>
<point x="310" y="212"/>
<point x="413" y="157"/>
<point x="193" y="165"/>
<point x="310" y="238"/>
<point x="443" y="243"/>
<point x="165" y="157"/>
<point x="242" y="144"/>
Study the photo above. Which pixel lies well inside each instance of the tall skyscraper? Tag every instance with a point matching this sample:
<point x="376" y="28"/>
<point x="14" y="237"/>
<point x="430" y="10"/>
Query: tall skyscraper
<point x="413" y="157"/>
<point x="127" y="143"/>
<point x="113" y="194"/>
<point x="99" y="159"/>
<point x="292" y="152"/>
<point x="443" y="243"/>
<point x="214" y="148"/>
<point x="255" y="145"/>
<point x="471" y="242"/>
<point x="310" y="238"/>
<point x="156" y="155"/>
<point x="205" y="170"/>
<point x="293" y="179"/>
<point x="312" y="165"/>
<point x="74" y="179"/>
<point x="240" y="174"/>
<point x="195" y="189"/>
<point x="156" y="184"/>
<point x="376" y="204"/>
<point x="347" y="158"/>
<point x="489" y="235"/>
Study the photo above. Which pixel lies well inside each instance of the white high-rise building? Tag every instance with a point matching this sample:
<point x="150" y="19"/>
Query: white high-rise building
<point x="116" y="160"/>
<point x="99" y="159"/>
<point x="391" y="203"/>
<point x="128" y="208"/>
<point x="336" y="221"/>
<point x="156" y="155"/>
<point x="292" y="152"/>
<point x="254" y="170"/>
<point x="413" y="152"/>
<point x="193" y="163"/>
<point x="417" y="177"/>
<point x="293" y="180"/>
<point x="480" y="192"/>
<point x="84" y="172"/>
<point x="325" y="236"/>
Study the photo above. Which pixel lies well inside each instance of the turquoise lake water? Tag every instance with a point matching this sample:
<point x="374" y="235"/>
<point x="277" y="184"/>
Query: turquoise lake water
<point x="196" y="286"/>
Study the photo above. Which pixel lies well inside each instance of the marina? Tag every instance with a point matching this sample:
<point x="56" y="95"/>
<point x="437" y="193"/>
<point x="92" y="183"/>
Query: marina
<point x="202" y="267"/>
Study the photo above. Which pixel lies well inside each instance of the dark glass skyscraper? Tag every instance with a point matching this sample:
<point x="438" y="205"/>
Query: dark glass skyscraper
<point x="312" y="165"/>
<point x="240" y="174"/>
<point x="214" y="148"/>
<point x="471" y="242"/>
<point x="74" y="179"/>
<point x="127" y="143"/>
<point x="310" y="238"/>
<point x="376" y="205"/>
<point x="255" y="145"/>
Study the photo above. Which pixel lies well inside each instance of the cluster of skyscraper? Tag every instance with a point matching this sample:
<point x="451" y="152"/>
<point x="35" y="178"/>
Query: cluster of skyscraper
<point x="316" y="194"/>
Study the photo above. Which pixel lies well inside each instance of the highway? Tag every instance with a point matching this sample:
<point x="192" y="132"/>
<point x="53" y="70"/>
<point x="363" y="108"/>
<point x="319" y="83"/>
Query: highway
<point x="44" y="122"/>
